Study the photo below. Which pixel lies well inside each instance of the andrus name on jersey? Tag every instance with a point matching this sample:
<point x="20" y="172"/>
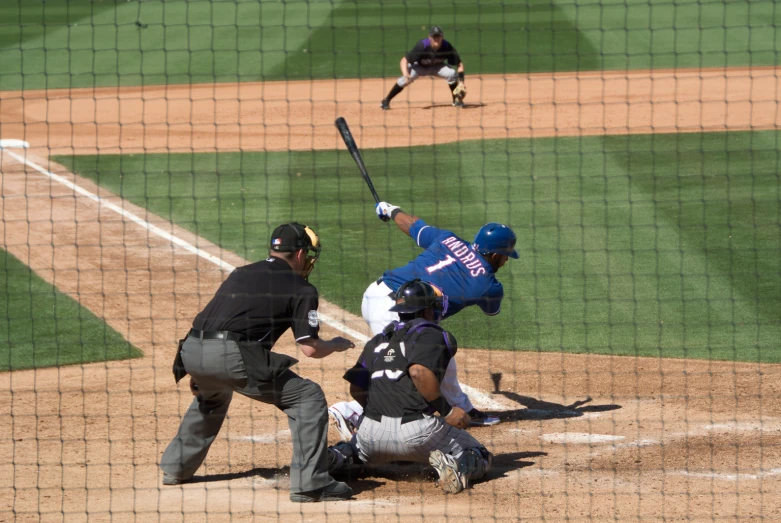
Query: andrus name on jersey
<point x="465" y="254"/>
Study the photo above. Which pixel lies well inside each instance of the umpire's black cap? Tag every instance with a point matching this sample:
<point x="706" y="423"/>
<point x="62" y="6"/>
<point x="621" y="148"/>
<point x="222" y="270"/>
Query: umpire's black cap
<point x="435" y="31"/>
<point x="292" y="237"/>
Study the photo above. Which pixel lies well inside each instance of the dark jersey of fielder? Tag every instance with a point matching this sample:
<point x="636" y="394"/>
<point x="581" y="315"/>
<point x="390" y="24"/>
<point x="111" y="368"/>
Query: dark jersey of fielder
<point x="424" y="54"/>
<point x="261" y="301"/>
<point x="454" y="267"/>
<point x="382" y="368"/>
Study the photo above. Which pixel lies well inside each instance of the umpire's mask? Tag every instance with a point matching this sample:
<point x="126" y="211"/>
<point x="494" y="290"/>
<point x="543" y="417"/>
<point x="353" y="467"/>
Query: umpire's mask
<point x="312" y="252"/>
<point x="293" y="237"/>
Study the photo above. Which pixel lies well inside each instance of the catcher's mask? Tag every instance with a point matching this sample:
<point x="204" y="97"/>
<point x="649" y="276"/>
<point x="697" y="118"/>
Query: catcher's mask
<point x="416" y="296"/>
<point x="292" y="237"/>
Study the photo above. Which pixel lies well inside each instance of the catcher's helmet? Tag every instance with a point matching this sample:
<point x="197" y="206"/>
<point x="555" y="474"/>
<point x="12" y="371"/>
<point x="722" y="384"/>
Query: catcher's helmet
<point x="495" y="238"/>
<point x="415" y="296"/>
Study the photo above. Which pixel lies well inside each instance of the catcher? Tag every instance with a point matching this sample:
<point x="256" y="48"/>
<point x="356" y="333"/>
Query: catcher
<point x="397" y="380"/>
<point x="428" y="58"/>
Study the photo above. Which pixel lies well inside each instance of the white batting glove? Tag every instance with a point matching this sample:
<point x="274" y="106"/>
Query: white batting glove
<point x="384" y="211"/>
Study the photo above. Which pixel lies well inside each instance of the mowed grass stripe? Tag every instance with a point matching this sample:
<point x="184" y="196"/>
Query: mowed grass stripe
<point x="78" y="43"/>
<point x="625" y="241"/>
<point x="43" y="327"/>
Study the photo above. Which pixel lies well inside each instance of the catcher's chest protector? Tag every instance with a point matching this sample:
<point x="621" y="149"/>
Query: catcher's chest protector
<point x="391" y="359"/>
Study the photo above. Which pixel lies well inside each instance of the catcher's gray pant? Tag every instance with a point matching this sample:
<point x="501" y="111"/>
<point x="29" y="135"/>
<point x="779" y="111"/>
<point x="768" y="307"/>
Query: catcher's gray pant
<point x="415" y="70"/>
<point x="218" y="369"/>
<point x="390" y="440"/>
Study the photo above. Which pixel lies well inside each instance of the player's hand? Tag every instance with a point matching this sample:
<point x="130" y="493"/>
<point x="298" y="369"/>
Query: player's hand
<point x="458" y="418"/>
<point x="341" y="344"/>
<point x="384" y="211"/>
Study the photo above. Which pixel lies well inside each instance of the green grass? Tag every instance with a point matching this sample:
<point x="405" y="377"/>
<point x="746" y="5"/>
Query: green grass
<point x="42" y="327"/>
<point x="652" y="245"/>
<point x="76" y="43"/>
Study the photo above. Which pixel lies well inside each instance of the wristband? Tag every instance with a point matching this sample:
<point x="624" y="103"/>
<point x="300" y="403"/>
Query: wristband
<point x="440" y="405"/>
<point x="461" y="76"/>
<point x="394" y="212"/>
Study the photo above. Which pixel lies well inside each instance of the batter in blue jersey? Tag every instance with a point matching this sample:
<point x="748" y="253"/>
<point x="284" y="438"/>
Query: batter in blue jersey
<point x="463" y="272"/>
<point x="454" y="267"/>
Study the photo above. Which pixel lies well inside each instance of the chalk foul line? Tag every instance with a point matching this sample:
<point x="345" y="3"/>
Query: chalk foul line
<point x="179" y="242"/>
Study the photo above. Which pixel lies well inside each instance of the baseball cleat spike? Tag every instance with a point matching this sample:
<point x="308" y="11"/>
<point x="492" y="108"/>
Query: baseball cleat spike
<point x="341" y="425"/>
<point x="450" y="479"/>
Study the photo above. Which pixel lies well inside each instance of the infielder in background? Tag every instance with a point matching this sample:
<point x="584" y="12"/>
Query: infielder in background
<point x="464" y="273"/>
<point x="428" y="58"/>
<point x="397" y="381"/>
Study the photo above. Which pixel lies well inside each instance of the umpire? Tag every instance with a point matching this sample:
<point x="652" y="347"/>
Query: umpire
<point x="229" y="349"/>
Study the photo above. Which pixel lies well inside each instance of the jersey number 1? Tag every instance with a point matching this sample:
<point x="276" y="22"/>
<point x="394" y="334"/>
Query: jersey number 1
<point x="440" y="265"/>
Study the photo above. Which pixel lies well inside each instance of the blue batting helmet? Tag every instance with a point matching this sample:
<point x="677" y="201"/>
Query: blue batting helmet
<point x="495" y="238"/>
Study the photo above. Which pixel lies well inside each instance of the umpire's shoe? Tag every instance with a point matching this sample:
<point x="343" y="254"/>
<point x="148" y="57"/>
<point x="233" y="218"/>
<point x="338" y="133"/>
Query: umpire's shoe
<point x="170" y="480"/>
<point x="336" y="491"/>
<point x="451" y="479"/>
<point x="385" y="105"/>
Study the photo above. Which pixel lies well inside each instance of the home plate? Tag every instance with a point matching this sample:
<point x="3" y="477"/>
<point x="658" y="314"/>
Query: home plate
<point x="581" y="438"/>
<point x="13" y="144"/>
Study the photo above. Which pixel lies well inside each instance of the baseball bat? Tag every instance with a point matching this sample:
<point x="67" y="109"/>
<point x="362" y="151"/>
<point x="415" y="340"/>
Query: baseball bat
<point x="349" y="141"/>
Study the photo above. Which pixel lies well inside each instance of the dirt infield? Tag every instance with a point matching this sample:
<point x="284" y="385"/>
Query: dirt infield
<point x="661" y="440"/>
<point x="278" y="116"/>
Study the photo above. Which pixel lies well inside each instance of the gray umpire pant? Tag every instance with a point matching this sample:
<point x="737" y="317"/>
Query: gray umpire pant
<point x="219" y="370"/>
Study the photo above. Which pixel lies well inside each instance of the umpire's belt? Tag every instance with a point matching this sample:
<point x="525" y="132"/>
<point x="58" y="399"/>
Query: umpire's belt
<point x="406" y="418"/>
<point x="217" y="335"/>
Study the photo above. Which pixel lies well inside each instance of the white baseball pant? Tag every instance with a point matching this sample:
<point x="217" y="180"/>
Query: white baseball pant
<point x="416" y="70"/>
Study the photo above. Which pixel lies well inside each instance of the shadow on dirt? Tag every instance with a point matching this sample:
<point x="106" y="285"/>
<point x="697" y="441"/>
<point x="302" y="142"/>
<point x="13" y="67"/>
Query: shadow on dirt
<point x="542" y="410"/>
<point x="358" y="483"/>
<point x="423" y="473"/>
<point x="466" y="105"/>
<point x="264" y="473"/>
<point x="504" y="463"/>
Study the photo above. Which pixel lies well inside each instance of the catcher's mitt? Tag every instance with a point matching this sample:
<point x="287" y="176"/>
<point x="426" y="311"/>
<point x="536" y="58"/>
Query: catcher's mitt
<point x="460" y="91"/>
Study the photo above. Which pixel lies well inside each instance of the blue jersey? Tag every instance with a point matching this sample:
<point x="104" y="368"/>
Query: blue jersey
<point x="454" y="267"/>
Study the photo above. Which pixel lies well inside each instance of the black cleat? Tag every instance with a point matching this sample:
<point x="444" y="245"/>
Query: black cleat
<point x="336" y="491"/>
<point x="385" y="105"/>
<point x="458" y="103"/>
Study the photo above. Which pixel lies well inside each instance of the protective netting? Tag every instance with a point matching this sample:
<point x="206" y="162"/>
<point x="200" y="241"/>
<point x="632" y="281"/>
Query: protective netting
<point x="149" y="148"/>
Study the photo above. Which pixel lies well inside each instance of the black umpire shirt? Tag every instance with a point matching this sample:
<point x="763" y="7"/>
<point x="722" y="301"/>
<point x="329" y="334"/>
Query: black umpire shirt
<point x="424" y="54"/>
<point x="261" y="301"/>
<point x="382" y="368"/>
